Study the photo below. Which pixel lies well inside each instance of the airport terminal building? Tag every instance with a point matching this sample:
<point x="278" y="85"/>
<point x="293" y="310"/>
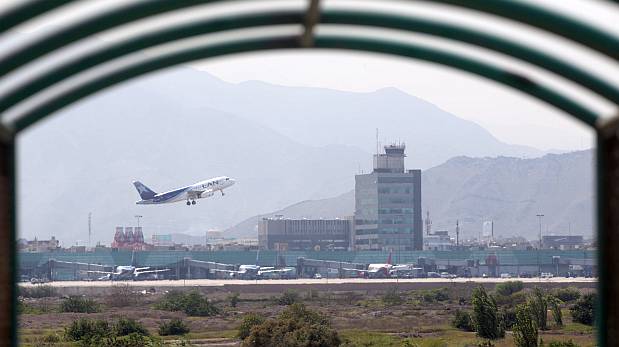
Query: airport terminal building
<point x="304" y="234"/>
<point x="388" y="205"/>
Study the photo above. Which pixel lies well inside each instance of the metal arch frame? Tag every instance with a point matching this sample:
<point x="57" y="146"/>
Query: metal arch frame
<point x="408" y="24"/>
<point x="204" y="51"/>
<point x="608" y="140"/>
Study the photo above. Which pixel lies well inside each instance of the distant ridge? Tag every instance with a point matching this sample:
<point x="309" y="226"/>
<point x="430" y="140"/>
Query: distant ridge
<point x="509" y="191"/>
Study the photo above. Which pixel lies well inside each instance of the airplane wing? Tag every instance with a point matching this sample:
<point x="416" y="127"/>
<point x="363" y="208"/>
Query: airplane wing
<point x="196" y="194"/>
<point x="97" y="272"/>
<point x="150" y="271"/>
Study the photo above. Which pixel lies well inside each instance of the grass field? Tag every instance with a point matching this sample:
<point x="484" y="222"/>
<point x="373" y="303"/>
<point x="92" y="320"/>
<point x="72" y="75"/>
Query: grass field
<point x="420" y="318"/>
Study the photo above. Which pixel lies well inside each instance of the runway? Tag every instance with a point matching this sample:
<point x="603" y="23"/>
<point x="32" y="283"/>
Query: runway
<point x="307" y="281"/>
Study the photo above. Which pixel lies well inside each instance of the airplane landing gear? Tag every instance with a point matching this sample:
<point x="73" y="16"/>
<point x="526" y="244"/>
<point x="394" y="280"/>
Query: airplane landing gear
<point x="222" y="192"/>
<point x="188" y="203"/>
<point x="193" y="202"/>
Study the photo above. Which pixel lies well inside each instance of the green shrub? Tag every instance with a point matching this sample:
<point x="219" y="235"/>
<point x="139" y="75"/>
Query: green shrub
<point x="123" y="296"/>
<point x="288" y="297"/>
<point x="568" y="294"/>
<point x="583" y="311"/>
<point x="392" y="297"/>
<point x="49" y="339"/>
<point x="568" y="343"/>
<point x="509" y="318"/>
<point x="511" y="300"/>
<point x="439" y="294"/>
<point x="488" y="323"/>
<point x="233" y="299"/>
<point x="127" y="326"/>
<point x="508" y="288"/>
<point x="295" y="326"/>
<point x="538" y="305"/>
<point x="192" y="303"/>
<point x="463" y="321"/>
<point x="555" y="308"/>
<point x="249" y="321"/>
<point x="79" y="304"/>
<point x="525" y="327"/>
<point x="174" y="327"/>
<point x="38" y="291"/>
<point x="131" y="340"/>
<point x="87" y="329"/>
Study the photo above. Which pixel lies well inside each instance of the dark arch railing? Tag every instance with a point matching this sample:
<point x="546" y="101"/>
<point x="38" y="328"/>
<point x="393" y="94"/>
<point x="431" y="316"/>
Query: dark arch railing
<point x="586" y="35"/>
<point x="182" y="31"/>
<point x="198" y="52"/>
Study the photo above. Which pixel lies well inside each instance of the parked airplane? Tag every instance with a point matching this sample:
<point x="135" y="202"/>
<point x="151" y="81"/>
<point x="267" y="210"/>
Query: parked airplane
<point x="126" y="273"/>
<point x="380" y="270"/>
<point x="255" y="271"/>
<point x="129" y="272"/>
<point x="202" y="189"/>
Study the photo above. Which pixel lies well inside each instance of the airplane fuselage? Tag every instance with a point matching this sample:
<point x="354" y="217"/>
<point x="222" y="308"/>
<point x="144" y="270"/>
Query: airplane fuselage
<point x="202" y="189"/>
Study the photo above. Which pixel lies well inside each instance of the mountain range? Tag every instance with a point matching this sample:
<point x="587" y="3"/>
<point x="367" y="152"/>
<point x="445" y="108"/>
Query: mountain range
<point x="508" y="191"/>
<point x="282" y="144"/>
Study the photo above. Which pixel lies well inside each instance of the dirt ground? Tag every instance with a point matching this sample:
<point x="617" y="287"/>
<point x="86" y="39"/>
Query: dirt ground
<point x="362" y="317"/>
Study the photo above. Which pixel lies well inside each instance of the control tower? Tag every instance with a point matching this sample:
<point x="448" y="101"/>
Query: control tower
<point x="392" y="160"/>
<point x="388" y="204"/>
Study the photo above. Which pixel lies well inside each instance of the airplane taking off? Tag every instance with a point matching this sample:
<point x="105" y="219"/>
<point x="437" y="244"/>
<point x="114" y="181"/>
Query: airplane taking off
<point x="202" y="189"/>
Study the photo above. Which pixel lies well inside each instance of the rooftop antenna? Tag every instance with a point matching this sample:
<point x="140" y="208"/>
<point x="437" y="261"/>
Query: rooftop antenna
<point x="428" y="223"/>
<point x="457" y="233"/>
<point x="137" y="216"/>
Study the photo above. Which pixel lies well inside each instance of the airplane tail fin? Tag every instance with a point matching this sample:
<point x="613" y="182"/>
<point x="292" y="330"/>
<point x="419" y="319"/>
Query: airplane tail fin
<point x="145" y="192"/>
<point x="389" y="258"/>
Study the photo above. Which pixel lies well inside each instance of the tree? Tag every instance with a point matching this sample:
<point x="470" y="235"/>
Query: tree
<point x="584" y="309"/>
<point x="234" y="299"/>
<point x="249" y="321"/>
<point x="555" y="308"/>
<point x="539" y="308"/>
<point x="296" y="326"/>
<point x="525" y="328"/>
<point x="488" y="322"/>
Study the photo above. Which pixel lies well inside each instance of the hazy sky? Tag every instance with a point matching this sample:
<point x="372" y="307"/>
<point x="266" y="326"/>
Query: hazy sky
<point x="509" y="115"/>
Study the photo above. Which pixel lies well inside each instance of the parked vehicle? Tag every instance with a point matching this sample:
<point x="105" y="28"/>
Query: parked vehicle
<point x="447" y="275"/>
<point x="546" y="275"/>
<point x="434" y="275"/>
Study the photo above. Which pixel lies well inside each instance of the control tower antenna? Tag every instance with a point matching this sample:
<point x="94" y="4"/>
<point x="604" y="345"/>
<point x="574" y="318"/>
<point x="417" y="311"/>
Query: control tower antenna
<point x="89" y="227"/>
<point x="377" y="143"/>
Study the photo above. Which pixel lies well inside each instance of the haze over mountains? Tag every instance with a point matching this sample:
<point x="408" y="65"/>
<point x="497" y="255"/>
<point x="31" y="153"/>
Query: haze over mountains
<point x="282" y="144"/>
<point x="508" y="191"/>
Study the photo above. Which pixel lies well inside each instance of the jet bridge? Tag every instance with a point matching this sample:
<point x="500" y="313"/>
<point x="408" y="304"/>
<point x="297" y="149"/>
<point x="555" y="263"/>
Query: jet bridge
<point x="310" y="267"/>
<point x="204" y="269"/>
<point x="61" y="269"/>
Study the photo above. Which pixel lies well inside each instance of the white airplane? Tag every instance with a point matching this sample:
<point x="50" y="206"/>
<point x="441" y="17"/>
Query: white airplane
<point x="202" y="189"/>
<point x="128" y="273"/>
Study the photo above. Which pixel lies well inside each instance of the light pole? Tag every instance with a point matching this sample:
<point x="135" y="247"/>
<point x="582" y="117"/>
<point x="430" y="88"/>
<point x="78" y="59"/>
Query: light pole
<point x="137" y="216"/>
<point x="539" y="247"/>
